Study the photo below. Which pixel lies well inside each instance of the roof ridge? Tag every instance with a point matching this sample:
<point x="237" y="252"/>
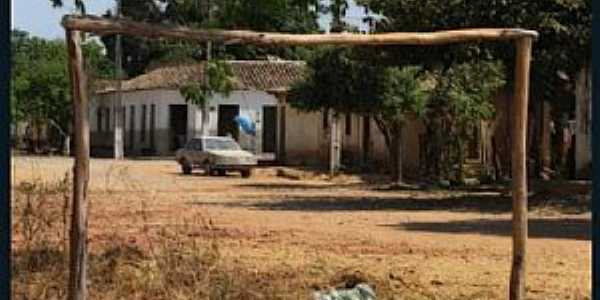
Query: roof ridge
<point x="249" y="75"/>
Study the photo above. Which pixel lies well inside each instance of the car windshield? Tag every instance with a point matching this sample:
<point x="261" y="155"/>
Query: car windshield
<point x="220" y="144"/>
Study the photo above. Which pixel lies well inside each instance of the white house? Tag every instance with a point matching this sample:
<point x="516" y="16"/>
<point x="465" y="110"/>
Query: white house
<point x="157" y="119"/>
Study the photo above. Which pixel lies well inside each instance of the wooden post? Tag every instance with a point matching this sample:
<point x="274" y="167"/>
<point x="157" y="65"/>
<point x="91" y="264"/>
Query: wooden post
<point x="118" y="150"/>
<point x="332" y="134"/>
<point x="519" y="168"/>
<point x="545" y="143"/>
<point x="583" y="147"/>
<point x="335" y="144"/>
<point x="78" y="238"/>
<point x="280" y="152"/>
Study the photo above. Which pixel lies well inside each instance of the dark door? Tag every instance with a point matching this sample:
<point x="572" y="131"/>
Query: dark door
<point x="269" y="131"/>
<point x="226" y="121"/>
<point x="366" y="138"/>
<point x="178" y="115"/>
<point x="131" y="127"/>
<point x="281" y="154"/>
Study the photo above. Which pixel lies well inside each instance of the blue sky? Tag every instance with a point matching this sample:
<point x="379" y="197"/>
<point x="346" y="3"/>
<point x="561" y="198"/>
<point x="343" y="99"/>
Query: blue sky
<point x="40" y="19"/>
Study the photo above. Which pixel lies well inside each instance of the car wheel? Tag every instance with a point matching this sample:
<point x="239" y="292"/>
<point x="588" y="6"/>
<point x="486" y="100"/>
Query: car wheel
<point x="246" y="173"/>
<point x="186" y="168"/>
<point x="221" y="172"/>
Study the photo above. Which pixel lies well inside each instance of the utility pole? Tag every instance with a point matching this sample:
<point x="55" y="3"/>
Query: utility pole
<point x="118" y="109"/>
<point x="205" y="111"/>
<point x="209" y="42"/>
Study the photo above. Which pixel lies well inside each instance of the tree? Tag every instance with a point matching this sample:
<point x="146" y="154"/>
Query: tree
<point x="41" y="94"/>
<point x="295" y="16"/>
<point x="399" y="94"/>
<point x="341" y="81"/>
<point x="564" y="46"/>
<point x="461" y="99"/>
<point x="332" y="82"/>
<point x="79" y="4"/>
<point x="219" y="80"/>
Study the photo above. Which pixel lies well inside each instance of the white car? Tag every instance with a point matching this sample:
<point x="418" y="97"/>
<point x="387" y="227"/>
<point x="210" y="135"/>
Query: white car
<point x="215" y="154"/>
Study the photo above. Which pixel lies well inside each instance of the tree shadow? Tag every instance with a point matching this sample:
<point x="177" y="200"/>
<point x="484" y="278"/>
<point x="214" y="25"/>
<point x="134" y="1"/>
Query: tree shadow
<point x="558" y="228"/>
<point x="482" y="203"/>
<point x="297" y="186"/>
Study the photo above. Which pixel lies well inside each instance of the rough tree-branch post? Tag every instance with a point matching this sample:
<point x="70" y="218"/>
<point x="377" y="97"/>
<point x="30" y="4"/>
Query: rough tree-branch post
<point x="102" y="26"/>
<point x="79" y="221"/>
<point x="519" y="168"/>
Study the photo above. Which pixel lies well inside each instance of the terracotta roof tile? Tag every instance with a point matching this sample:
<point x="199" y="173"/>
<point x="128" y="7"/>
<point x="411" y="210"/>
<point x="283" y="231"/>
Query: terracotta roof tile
<point x="248" y="75"/>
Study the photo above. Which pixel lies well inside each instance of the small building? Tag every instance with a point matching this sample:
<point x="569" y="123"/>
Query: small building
<point x="157" y="119"/>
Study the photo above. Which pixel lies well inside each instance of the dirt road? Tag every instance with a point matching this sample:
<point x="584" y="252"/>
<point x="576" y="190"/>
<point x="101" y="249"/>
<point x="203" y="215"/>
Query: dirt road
<point x="436" y="244"/>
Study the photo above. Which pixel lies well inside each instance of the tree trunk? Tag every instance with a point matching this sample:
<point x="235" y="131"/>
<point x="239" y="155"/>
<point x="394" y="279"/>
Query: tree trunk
<point x="545" y="158"/>
<point x="335" y="147"/>
<point x="396" y="155"/>
<point x="205" y="121"/>
<point x="78" y="237"/>
<point x="583" y="148"/>
<point x="67" y="145"/>
<point x="519" y="169"/>
<point x="460" y="176"/>
<point x="119" y="146"/>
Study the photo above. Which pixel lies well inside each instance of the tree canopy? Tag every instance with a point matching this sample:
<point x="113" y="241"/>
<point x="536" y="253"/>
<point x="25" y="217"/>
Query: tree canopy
<point x="40" y="92"/>
<point x="295" y="16"/>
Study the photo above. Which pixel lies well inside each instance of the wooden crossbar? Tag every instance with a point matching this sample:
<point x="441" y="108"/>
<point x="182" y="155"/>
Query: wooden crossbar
<point x="106" y="26"/>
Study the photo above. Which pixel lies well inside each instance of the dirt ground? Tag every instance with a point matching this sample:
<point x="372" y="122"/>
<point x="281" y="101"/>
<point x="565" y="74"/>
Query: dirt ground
<point x="303" y="233"/>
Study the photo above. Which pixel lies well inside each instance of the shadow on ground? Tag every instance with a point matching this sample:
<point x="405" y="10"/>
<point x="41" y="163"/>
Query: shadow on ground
<point x="557" y="228"/>
<point x="483" y="203"/>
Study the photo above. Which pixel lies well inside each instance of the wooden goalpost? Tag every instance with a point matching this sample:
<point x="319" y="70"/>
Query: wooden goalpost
<point x="75" y="25"/>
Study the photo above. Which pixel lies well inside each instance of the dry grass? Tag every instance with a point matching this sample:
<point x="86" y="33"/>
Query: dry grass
<point x="180" y="261"/>
<point x="157" y="235"/>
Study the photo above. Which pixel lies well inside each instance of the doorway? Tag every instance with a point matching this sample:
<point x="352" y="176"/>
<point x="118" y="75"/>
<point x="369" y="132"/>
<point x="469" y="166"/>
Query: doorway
<point x="269" y="131"/>
<point x="178" y="119"/>
<point x="226" y="124"/>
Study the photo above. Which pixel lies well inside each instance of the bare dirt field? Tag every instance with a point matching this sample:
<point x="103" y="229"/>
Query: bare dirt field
<point x="282" y="238"/>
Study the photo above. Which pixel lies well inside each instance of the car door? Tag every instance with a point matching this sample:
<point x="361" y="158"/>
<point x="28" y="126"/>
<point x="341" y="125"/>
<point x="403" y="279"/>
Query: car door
<point x="200" y="154"/>
<point x="188" y="152"/>
<point x="196" y="151"/>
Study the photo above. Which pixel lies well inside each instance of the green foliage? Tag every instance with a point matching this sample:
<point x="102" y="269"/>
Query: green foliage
<point x="333" y="82"/>
<point x="461" y="98"/>
<point x="340" y="80"/>
<point x="40" y="90"/>
<point x="40" y="87"/>
<point x="79" y="5"/>
<point x="465" y="90"/>
<point x="400" y="91"/>
<point x="564" y="27"/>
<point x="296" y="16"/>
<point x="219" y="80"/>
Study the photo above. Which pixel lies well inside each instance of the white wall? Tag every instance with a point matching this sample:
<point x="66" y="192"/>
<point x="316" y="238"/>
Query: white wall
<point x="250" y="102"/>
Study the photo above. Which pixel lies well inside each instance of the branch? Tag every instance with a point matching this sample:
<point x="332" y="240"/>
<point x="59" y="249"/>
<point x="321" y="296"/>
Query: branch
<point x="105" y="26"/>
<point x="55" y="124"/>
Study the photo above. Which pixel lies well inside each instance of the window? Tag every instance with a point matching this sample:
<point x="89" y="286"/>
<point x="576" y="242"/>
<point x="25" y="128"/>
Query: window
<point x="325" y="119"/>
<point x="220" y="144"/>
<point x="348" y="124"/>
<point x="143" y="125"/>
